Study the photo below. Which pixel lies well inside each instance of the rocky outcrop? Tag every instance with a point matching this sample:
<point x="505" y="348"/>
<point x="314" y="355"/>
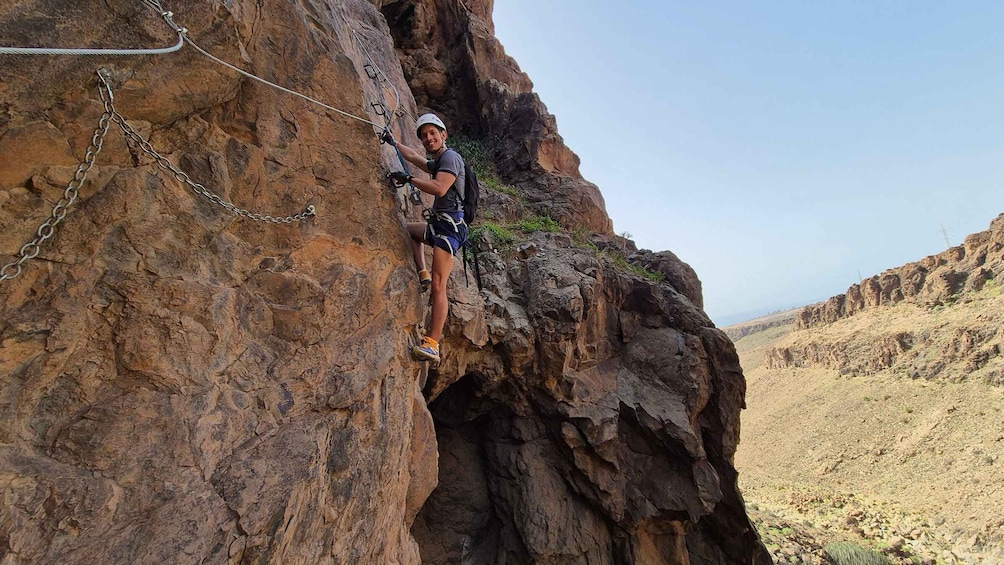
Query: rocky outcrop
<point x="183" y="384"/>
<point x="937" y="279"/>
<point x="455" y="65"/>
<point x="855" y="356"/>
<point x="614" y="443"/>
<point x="968" y="345"/>
<point x="680" y="275"/>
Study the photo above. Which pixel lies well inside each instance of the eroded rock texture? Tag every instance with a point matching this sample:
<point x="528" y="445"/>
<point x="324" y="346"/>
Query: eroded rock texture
<point x="934" y="280"/>
<point x="598" y="424"/>
<point x="181" y="385"/>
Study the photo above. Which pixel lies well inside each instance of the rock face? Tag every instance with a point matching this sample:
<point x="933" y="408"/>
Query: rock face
<point x="185" y="385"/>
<point x="969" y="343"/>
<point x="932" y="281"/>
<point x="614" y="441"/>
<point x="455" y="65"/>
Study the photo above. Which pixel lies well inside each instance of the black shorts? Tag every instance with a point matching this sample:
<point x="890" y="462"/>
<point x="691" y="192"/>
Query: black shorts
<point x="446" y="234"/>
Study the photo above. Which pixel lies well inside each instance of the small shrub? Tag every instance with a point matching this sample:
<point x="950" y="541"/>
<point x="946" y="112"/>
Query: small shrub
<point x="620" y="262"/>
<point x="649" y="274"/>
<point x="536" y="224"/>
<point x="475" y="153"/>
<point x="850" y="553"/>
<point x="500" y="234"/>
<point x="496" y="185"/>
<point x="505" y="235"/>
<point x="580" y="238"/>
<point x="992" y="288"/>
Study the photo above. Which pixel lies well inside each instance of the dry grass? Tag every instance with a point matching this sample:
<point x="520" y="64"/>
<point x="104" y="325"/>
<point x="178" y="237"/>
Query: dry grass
<point x="922" y="459"/>
<point x="964" y="341"/>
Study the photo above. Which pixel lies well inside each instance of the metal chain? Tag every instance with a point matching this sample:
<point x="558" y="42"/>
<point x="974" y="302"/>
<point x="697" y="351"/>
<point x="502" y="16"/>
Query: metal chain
<point x="198" y="188"/>
<point x="181" y="176"/>
<point x="46" y="230"/>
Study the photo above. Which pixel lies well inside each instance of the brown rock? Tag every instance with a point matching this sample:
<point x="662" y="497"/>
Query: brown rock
<point x="586" y="433"/>
<point x="184" y="384"/>
<point x="29" y="149"/>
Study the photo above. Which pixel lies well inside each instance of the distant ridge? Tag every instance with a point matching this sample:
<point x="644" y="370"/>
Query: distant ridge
<point x="935" y="280"/>
<point x="774" y="319"/>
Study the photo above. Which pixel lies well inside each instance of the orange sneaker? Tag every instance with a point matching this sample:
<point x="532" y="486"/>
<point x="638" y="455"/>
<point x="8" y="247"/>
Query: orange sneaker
<point x="428" y="350"/>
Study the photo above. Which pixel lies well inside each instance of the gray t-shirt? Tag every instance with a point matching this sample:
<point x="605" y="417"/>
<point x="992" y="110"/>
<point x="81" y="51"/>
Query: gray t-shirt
<point x="449" y="162"/>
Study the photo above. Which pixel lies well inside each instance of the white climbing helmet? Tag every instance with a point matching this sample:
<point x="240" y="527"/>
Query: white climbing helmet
<point x="429" y="119"/>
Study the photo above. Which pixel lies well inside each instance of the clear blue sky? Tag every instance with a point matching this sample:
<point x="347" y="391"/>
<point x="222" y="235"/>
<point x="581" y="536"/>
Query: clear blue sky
<point x="784" y="150"/>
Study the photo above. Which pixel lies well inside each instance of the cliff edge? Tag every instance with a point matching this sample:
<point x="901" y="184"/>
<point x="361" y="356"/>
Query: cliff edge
<point x="197" y="369"/>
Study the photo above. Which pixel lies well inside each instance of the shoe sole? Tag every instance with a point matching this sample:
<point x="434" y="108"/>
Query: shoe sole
<point x="423" y="356"/>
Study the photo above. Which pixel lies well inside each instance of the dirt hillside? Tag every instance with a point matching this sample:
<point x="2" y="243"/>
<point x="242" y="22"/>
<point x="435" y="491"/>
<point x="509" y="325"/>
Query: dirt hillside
<point x="897" y="450"/>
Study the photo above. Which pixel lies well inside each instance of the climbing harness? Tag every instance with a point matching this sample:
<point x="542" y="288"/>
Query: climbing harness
<point x="46" y="230"/>
<point x="444" y="217"/>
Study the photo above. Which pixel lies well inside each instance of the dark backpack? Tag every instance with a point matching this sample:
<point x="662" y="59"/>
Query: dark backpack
<point x="472" y="190"/>
<point x="471" y="195"/>
<point x="469" y="201"/>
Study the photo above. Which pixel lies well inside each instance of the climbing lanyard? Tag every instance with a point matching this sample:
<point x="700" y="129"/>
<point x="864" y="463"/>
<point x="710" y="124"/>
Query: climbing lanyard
<point x="376" y="74"/>
<point x="46" y="230"/>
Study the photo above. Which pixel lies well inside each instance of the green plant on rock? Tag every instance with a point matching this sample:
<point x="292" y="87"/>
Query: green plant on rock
<point x="496" y="185"/>
<point x="504" y="235"/>
<point x="501" y="235"/>
<point x="581" y="238"/>
<point x="475" y="153"/>
<point x="535" y="224"/>
<point x="620" y="262"/>
<point x="850" y="553"/>
<point x="991" y="288"/>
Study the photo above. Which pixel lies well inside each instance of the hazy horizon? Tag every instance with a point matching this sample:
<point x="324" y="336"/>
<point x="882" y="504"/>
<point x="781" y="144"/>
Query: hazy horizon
<point x="784" y="150"/>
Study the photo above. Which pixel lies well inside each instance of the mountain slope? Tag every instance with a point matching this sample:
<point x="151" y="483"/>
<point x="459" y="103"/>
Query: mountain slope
<point x="884" y="426"/>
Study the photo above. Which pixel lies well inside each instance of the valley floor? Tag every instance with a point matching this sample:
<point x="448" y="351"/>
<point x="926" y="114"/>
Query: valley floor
<point x="913" y="469"/>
